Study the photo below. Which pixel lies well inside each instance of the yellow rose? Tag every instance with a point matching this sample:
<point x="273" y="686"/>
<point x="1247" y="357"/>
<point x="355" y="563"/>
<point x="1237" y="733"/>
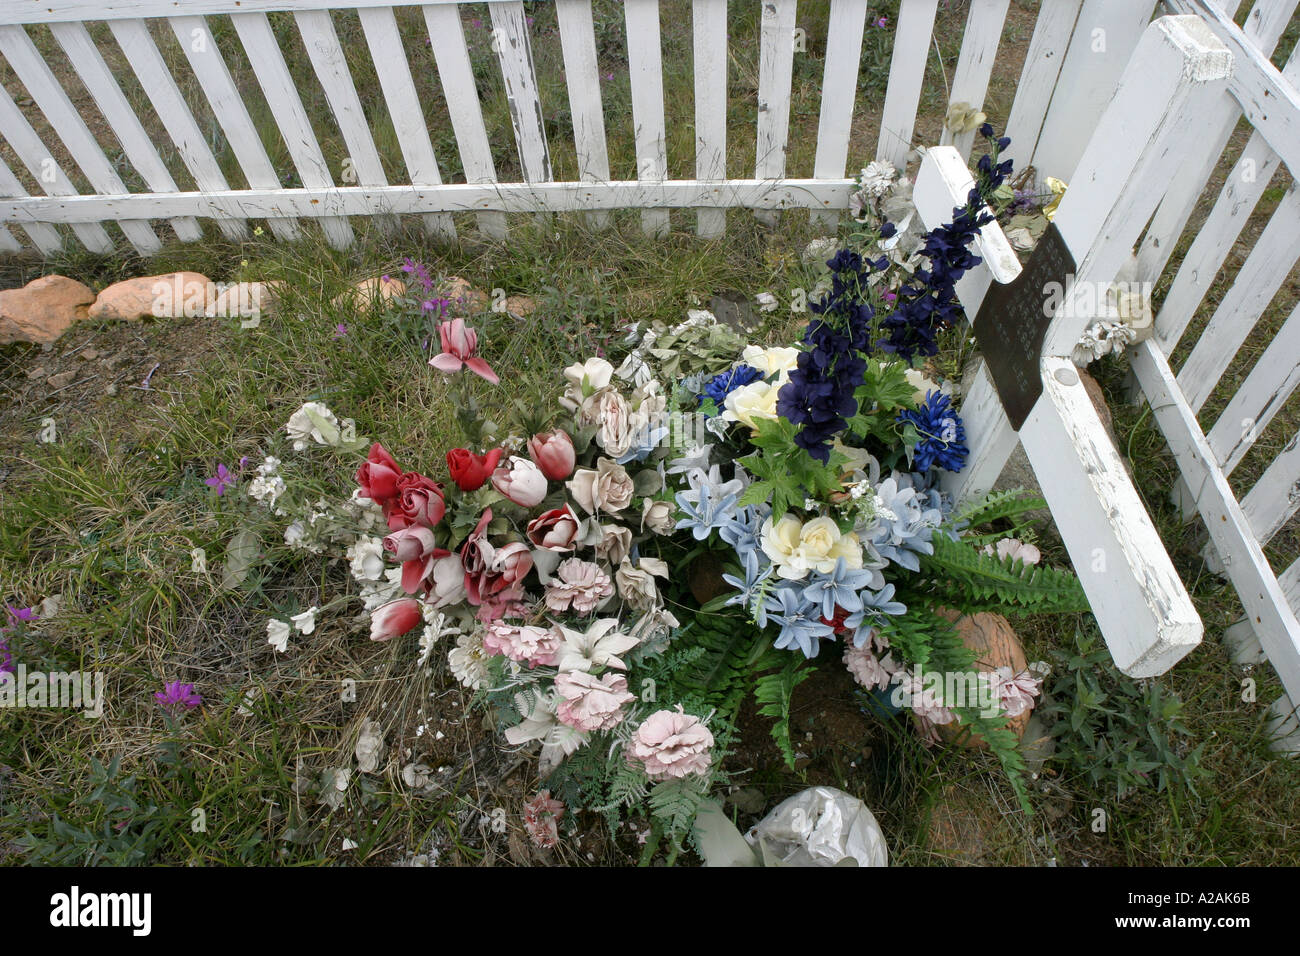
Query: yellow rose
<point x="796" y="548"/>
<point x="755" y="400"/>
<point x="770" y="361"/>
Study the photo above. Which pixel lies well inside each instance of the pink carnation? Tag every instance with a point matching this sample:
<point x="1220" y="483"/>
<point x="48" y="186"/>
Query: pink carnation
<point x="591" y="703"/>
<point x="671" y="745"/>
<point x="580" y="585"/>
<point x="870" y="671"/>
<point x="1014" y="693"/>
<point x="541" y="814"/>
<point x="530" y="644"/>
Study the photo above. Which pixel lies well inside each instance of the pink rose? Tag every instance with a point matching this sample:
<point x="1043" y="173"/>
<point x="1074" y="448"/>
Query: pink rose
<point x="578" y="585"/>
<point x="418" y="500"/>
<point x="414" y="548"/>
<point x="528" y="643"/>
<point x="460" y="348"/>
<point x="553" y="452"/>
<point x="554" y="530"/>
<point x="378" y="475"/>
<point x="591" y="703"/>
<point x="671" y="745"/>
<point x="521" y="481"/>
<point x="395" y="618"/>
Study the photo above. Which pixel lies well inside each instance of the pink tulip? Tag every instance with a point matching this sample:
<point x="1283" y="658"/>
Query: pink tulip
<point x="553" y="453"/>
<point x="521" y="481"/>
<point x="410" y="543"/>
<point x="460" y="349"/>
<point x="394" y="618"/>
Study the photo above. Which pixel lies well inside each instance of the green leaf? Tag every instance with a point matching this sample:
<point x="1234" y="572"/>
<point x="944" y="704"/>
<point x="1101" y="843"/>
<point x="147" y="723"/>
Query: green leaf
<point x="241" y="553"/>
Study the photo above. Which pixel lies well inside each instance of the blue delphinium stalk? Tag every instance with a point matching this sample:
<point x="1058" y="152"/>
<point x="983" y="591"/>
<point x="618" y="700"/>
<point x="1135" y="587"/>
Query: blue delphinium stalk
<point x="943" y="436"/>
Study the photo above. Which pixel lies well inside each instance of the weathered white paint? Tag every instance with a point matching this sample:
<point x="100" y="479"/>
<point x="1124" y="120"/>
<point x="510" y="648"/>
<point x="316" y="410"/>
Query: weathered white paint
<point x="979" y="48"/>
<point x="1038" y="76"/>
<point x="645" y="66"/>
<point x="906" y="76"/>
<point x="449" y="197"/>
<point x="404" y="109"/>
<point x="578" y="44"/>
<point x="515" y="54"/>
<point x="839" y="89"/>
<point x="775" y="70"/>
<point x="709" y="33"/>
<point x="1143" y="610"/>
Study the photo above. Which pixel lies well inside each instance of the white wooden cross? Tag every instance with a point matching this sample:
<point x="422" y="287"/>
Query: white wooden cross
<point x="1140" y="604"/>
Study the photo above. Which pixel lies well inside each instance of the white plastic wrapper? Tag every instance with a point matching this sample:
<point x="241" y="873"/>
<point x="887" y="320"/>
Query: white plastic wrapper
<point x="821" y="826"/>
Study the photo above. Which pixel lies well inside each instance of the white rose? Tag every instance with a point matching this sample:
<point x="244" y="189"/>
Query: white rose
<point x="920" y="383"/>
<point x="797" y="548"/>
<point x="781" y="359"/>
<point x="749" y="402"/>
<point x="301" y="426"/>
<point x="596" y="371"/>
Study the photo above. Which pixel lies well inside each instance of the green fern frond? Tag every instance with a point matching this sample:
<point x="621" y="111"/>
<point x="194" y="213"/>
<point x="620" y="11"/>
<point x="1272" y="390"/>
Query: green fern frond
<point x="983" y="579"/>
<point x="772" y="692"/>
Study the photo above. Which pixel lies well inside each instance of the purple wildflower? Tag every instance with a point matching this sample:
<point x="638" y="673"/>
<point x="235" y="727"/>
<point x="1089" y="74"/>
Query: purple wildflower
<point x="176" y="695"/>
<point x="340" y="330"/>
<point x="25" y="614"/>
<point x="221" y="480"/>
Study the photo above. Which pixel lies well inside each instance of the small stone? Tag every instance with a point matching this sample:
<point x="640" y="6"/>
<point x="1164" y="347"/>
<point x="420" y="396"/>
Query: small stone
<point x="370" y="292"/>
<point x="111" y="390"/>
<point x="520" y="305"/>
<point x="38" y="372"/>
<point x="62" y="379"/>
<point x="88" y="355"/>
<point x="460" y="292"/>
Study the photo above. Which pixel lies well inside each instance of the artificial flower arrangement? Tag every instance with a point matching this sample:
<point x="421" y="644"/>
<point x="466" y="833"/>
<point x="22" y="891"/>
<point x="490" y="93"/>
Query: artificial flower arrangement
<point x="556" y="567"/>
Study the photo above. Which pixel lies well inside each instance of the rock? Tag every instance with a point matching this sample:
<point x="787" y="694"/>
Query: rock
<point x="41" y="310"/>
<point x="470" y="299"/>
<point x="995" y="644"/>
<point x="172" y="296"/>
<point x="368" y="293"/>
<point x="965" y="829"/>
<point x="38" y="372"/>
<point x="521" y="305"/>
<point x="62" y="379"/>
<point x="241" y="300"/>
<point x="88" y="355"/>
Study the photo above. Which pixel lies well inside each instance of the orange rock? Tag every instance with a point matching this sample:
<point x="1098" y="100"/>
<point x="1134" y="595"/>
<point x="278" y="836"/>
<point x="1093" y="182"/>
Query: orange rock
<point x="41" y="310"/>
<point x="996" y="645"/>
<point x="462" y="294"/>
<point x="171" y="296"/>
<point x="369" y="292"/>
<point x="521" y="305"/>
<point x="242" y="299"/>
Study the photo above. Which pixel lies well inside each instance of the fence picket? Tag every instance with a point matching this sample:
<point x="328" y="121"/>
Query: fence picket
<point x="1241" y="192"/>
<point x="403" y="103"/>
<point x="141" y="52"/>
<point x="43" y="235"/>
<point x="1253" y="288"/>
<point x="709" y="28"/>
<point x="52" y="179"/>
<point x="906" y="75"/>
<point x="330" y="64"/>
<point x="290" y="116"/>
<point x="1038" y="78"/>
<point x="447" y="37"/>
<point x="582" y="79"/>
<point x="200" y="48"/>
<point x="53" y="101"/>
<point x="1219" y="115"/>
<point x="839" y="90"/>
<point x="979" y="50"/>
<point x="645" y="65"/>
<point x="98" y="81"/>
<point x="1260" y="397"/>
<point x="1275" y="497"/>
<point x="515" y="54"/>
<point x="775" y="77"/>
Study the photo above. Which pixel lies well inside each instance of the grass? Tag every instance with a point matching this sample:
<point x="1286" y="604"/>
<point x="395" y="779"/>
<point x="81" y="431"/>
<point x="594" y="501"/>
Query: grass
<point x="108" y="517"/>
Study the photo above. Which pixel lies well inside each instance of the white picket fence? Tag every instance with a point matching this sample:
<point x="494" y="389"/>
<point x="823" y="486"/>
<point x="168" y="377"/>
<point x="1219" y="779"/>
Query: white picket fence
<point x="1057" y="53"/>
<point x="1133" y="151"/>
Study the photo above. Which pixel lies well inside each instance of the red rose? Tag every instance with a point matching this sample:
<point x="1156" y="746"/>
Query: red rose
<point x="378" y="476"/>
<point x="418" y="501"/>
<point x="469" y="470"/>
